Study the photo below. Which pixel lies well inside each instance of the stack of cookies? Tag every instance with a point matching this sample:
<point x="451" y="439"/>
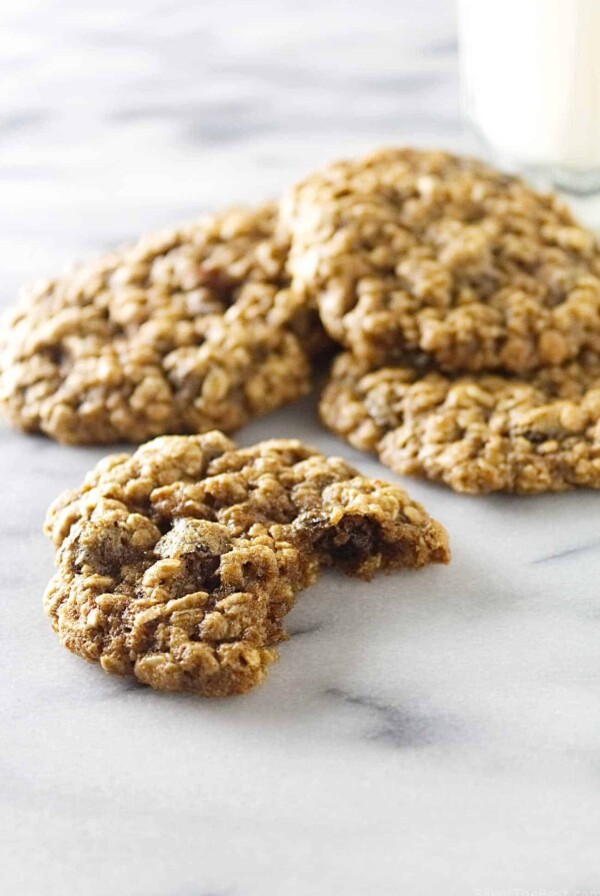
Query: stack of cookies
<point x="469" y="306"/>
<point x="462" y="311"/>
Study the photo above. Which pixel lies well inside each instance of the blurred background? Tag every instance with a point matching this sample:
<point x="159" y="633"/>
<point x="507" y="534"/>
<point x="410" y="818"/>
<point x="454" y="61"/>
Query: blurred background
<point x="117" y="117"/>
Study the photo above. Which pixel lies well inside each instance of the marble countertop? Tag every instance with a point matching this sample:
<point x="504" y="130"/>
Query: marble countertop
<point x="430" y="733"/>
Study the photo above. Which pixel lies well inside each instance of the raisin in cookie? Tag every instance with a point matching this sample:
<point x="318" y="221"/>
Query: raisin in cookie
<point x="477" y="434"/>
<point x="188" y="330"/>
<point x="426" y="252"/>
<point x="178" y="563"/>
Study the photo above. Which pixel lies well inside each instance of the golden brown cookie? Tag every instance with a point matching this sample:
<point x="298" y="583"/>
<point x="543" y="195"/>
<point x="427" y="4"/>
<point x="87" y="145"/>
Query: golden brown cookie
<point x="188" y="330"/>
<point x="477" y="434"/>
<point x="426" y="252"/>
<point x="178" y="563"/>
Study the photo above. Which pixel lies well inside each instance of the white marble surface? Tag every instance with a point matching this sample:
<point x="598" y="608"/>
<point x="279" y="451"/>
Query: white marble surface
<point x="434" y="733"/>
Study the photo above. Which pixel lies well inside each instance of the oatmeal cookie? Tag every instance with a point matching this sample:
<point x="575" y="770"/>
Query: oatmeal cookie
<point x="178" y="563"/>
<point x="477" y="434"/>
<point x="188" y="330"/>
<point x="427" y="252"/>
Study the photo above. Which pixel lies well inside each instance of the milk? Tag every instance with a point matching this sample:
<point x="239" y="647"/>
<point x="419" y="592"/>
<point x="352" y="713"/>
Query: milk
<point x="531" y="79"/>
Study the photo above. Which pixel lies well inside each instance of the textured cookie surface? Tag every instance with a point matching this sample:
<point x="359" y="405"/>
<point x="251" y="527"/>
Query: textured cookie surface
<point x="415" y="251"/>
<point x="178" y="563"/>
<point x="475" y="433"/>
<point x="188" y="330"/>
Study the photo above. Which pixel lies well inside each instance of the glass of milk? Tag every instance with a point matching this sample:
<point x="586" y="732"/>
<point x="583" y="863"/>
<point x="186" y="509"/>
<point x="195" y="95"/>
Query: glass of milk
<point x="530" y="73"/>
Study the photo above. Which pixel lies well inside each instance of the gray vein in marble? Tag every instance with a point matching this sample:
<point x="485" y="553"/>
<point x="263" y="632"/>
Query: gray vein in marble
<point x="296" y="631"/>
<point x="401" y="727"/>
<point x="22" y="121"/>
<point x="574" y="551"/>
